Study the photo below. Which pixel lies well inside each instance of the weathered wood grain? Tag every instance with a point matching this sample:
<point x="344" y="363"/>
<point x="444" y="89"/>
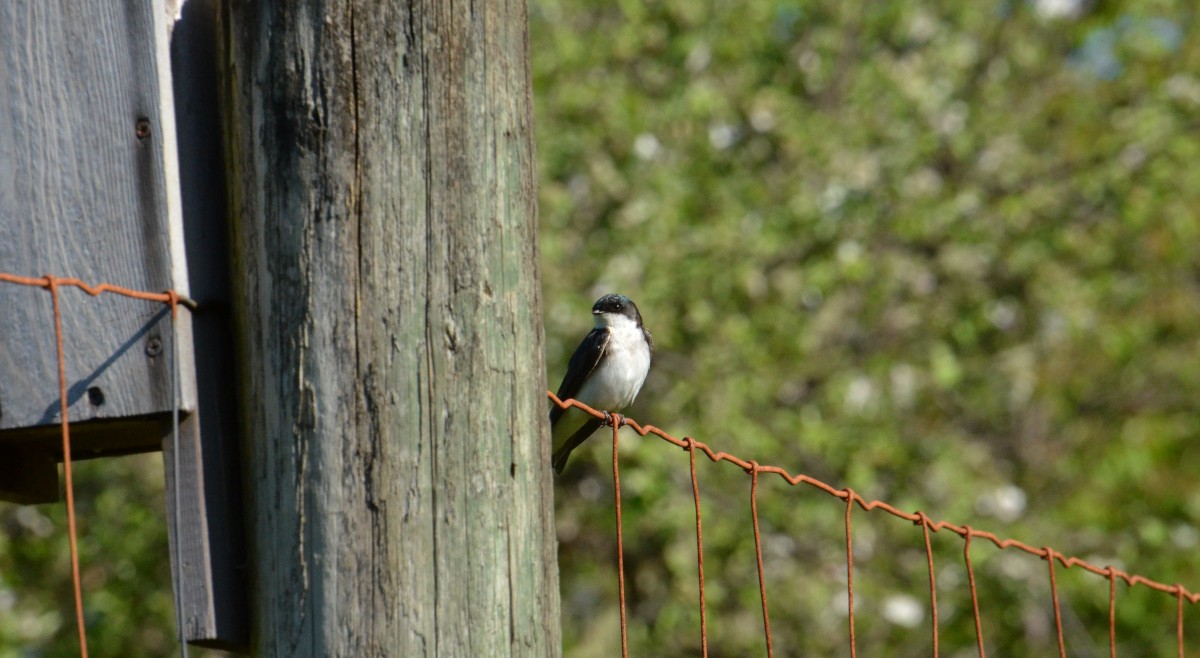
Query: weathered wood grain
<point x="386" y="249"/>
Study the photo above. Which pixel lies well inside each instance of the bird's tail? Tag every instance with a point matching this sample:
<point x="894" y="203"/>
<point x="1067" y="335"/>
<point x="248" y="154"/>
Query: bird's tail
<point x="560" y="456"/>
<point x="559" y="459"/>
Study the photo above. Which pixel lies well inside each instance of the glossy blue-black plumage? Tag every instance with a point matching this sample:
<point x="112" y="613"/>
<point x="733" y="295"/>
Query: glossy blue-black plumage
<point x="583" y="362"/>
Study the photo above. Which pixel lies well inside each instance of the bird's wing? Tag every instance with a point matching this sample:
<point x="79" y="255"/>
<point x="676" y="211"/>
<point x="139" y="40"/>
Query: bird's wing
<point x="587" y="356"/>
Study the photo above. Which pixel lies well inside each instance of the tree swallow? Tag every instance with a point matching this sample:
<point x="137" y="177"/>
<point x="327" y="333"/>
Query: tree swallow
<point x="605" y="372"/>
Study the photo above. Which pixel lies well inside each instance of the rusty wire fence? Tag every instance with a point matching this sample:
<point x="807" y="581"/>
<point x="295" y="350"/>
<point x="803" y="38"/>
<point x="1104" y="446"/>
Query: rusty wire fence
<point x="753" y="470"/>
<point x="1054" y="559"/>
<point x="54" y="285"/>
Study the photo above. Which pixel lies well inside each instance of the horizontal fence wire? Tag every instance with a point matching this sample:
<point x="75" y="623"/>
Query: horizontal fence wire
<point x="169" y="297"/>
<point x="754" y="469"/>
<point x="53" y="285"/>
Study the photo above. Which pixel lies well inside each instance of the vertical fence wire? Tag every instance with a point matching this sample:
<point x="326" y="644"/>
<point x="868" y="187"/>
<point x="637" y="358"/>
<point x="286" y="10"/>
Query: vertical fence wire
<point x="699" y="546"/>
<point x="1112" y="612"/>
<point x="615" y="420"/>
<point x="52" y="285"/>
<point x="1058" y="627"/>
<point x="933" y="608"/>
<point x="762" y="582"/>
<point x="850" y="573"/>
<point x="1179" y="592"/>
<point x="974" y="593"/>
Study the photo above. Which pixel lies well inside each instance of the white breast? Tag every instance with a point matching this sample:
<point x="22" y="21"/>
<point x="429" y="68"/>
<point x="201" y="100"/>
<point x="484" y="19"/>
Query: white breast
<point x="617" y="380"/>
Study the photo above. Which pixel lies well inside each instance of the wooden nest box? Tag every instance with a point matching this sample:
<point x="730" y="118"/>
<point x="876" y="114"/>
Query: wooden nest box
<point x="91" y="190"/>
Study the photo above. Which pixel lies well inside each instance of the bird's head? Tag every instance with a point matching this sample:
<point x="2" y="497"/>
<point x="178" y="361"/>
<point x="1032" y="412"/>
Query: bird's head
<point x="612" y="310"/>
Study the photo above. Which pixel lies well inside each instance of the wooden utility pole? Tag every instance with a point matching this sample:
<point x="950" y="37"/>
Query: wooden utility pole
<point x="386" y="276"/>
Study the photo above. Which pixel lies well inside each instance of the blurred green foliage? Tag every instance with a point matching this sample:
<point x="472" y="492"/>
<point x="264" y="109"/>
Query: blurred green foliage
<point x="943" y="253"/>
<point x="124" y="570"/>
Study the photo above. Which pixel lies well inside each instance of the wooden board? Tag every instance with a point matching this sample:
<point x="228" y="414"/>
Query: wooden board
<point x="85" y="152"/>
<point x="215" y="450"/>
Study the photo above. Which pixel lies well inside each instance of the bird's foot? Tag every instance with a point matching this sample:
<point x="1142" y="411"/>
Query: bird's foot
<point x="613" y="420"/>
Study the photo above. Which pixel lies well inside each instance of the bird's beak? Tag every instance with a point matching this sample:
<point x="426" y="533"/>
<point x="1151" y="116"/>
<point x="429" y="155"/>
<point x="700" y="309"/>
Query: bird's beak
<point x="595" y="311"/>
